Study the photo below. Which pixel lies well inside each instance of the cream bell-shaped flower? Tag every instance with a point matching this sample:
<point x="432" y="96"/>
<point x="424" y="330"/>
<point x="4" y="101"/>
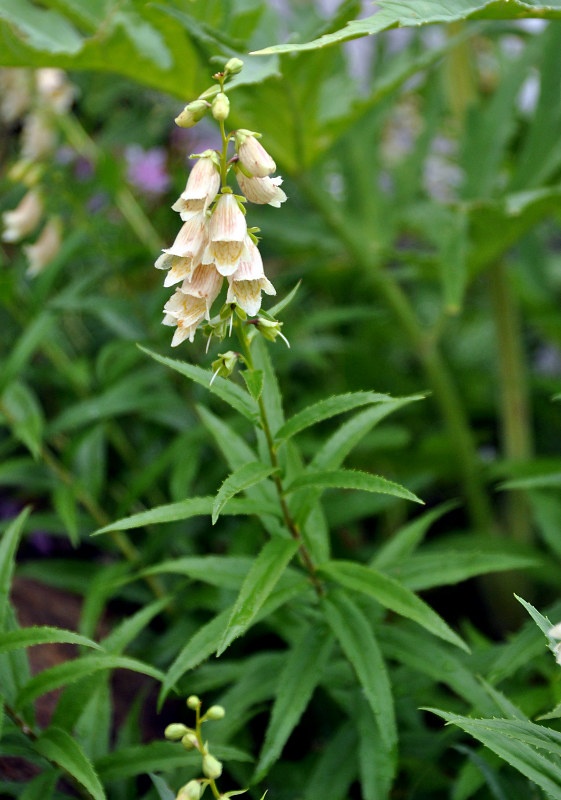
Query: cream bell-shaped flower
<point x="201" y="189"/>
<point x="192" y="302"/>
<point x="261" y="190"/>
<point x="248" y="281"/>
<point x="227" y="231"/>
<point x="38" y="137"/>
<point x="252" y="155"/>
<point x="23" y="219"/>
<point x="186" y="251"/>
<point x="55" y="88"/>
<point x="47" y="246"/>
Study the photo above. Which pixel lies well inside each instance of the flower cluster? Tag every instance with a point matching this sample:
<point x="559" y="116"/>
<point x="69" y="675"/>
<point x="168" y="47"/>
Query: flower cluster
<point x="215" y="242"/>
<point x="37" y="100"/>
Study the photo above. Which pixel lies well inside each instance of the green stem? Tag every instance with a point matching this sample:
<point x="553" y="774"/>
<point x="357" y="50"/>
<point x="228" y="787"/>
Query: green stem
<point x="460" y="75"/>
<point x="427" y="352"/>
<point x="305" y="556"/>
<point x="514" y="395"/>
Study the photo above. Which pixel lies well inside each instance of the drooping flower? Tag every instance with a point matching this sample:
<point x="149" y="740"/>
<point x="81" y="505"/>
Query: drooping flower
<point x="252" y="155"/>
<point x="186" y="251"/>
<point x="192" y="302"/>
<point x="248" y="281"/>
<point x="55" y="89"/>
<point x="201" y="189"/>
<point x="261" y="190"/>
<point x="23" y="219"/>
<point x="47" y="246"/>
<point x="227" y="231"/>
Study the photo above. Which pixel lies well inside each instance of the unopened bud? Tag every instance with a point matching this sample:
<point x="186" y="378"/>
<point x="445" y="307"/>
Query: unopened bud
<point x="216" y="712"/>
<point x="212" y="768"/>
<point x="191" y="114"/>
<point x="176" y="731"/>
<point x="191" y="791"/>
<point x="193" y="702"/>
<point x="223" y="366"/>
<point x="220" y="107"/>
<point x="233" y="66"/>
<point x="270" y="329"/>
<point x="190" y="741"/>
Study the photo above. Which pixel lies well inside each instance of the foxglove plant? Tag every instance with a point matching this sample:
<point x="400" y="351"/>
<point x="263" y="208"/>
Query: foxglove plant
<point x="215" y="241"/>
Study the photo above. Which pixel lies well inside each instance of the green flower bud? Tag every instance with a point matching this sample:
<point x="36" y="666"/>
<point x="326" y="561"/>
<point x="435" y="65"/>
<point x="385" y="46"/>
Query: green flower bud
<point x="212" y="768"/>
<point x="191" y="114"/>
<point x="191" y="791"/>
<point x="176" y="731"/>
<point x="190" y="741"/>
<point x="233" y="66"/>
<point x="223" y="366"/>
<point x="216" y="712"/>
<point x="220" y="107"/>
<point x="193" y="702"/>
<point x="270" y="329"/>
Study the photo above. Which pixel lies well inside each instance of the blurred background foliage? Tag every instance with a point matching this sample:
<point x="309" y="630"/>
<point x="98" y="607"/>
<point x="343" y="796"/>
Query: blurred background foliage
<point x="423" y="171"/>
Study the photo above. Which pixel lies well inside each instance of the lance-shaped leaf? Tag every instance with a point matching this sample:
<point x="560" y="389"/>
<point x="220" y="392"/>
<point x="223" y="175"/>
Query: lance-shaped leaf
<point x="243" y="478"/>
<point x="350" y="479"/>
<point x="227" y="572"/>
<point x="297" y="681"/>
<point x="391" y="594"/>
<point x="62" y="749"/>
<point x="27" y="637"/>
<point x="71" y="671"/>
<point x="8" y="546"/>
<point x="230" y="392"/>
<point x="356" y="637"/>
<point x="266" y="571"/>
<point x="325" y="409"/>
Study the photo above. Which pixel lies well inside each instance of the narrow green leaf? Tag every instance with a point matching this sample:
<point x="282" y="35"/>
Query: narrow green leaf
<point x="391" y="594"/>
<point x="377" y="763"/>
<point x="405" y="540"/>
<point x="233" y="447"/>
<point x="227" y="572"/>
<point x="297" y="681"/>
<point x="242" y="478"/>
<point x="164" y="791"/>
<point x="336" y="767"/>
<point x="356" y="637"/>
<point x="24" y="416"/>
<point x="71" y="671"/>
<point x="266" y="571"/>
<point x="65" y="504"/>
<point x="254" y="381"/>
<point x="229" y="392"/>
<point x="28" y="637"/>
<point x="325" y="409"/>
<point x="282" y="304"/>
<point x="131" y="626"/>
<point x="41" y="787"/>
<point x="350" y="479"/>
<point x="8" y="547"/>
<point x="549" y="480"/>
<point x="271" y="395"/>
<point x="60" y="748"/>
<point x="542" y="622"/>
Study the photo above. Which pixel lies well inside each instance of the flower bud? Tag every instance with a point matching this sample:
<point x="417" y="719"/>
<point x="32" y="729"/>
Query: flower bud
<point x="220" y="107"/>
<point x="212" y="768"/>
<point x="217" y="712"/>
<point x="270" y="329"/>
<point x="223" y="366"/>
<point x="233" y="66"/>
<point x="252" y="155"/>
<point x="193" y="702"/>
<point x="190" y="741"/>
<point x="191" y="114"/>
<point x="176" y="731"/>
<point x="191" y="791"/>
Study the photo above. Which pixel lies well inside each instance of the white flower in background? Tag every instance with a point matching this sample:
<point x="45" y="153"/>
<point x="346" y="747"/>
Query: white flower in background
<point x="192" y="302"/>
<point x="252" y="155"/>
<point x="23" y="219"/>
<point x="55" y="89"/>
<point x="47" y="246"/>
<point x="202" y="187"/>
<point x="15" y="93"/>
<point x="555" y="633"/>
<point x="261" y="190"/>
<point x="227" y="231"/>
<point x="38" y="137"/>
<point x="248" y="281"/>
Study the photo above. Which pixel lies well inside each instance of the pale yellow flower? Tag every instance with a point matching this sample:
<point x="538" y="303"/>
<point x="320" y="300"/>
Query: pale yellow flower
<point x="252" y="155"/>
<point x="201" y="189"/>
<point x="55" y="89"/>
<point x="38" y="137"/>
<point x="261" y="190"/>
<point x="47" y="246"/>
<point x="23" y="219"/>
<point x="227" y="231"/>
<point x="191" y="303"/>
<point x="186" y="251"/>
<point x="248" y="281"/>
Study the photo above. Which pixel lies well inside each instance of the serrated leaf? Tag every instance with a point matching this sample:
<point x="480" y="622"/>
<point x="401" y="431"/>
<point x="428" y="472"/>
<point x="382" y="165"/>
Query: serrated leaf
<point x="542" y="622"/>
<point x="229" y="392"/>
<point x="325" y="409"/>
<point x="350" y="479"/>
<point x="297" y="681"/>
<point x="254" y="381"/>
<point x="405" y="540"/>
<point x="28" y="637"/>
<point x="71" y="671"/>
<point x="60" y="748"/>
<point x="265" y="572"/>
<point x="8" y="547"/>
<point x="391" y="594"/>
<point x="242" y="478"/>
<point x="413" y="13"/>
<point x="356" y="638"/>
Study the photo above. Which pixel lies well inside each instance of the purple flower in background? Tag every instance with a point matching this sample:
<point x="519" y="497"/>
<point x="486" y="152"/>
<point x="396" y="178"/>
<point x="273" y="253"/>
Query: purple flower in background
<point x="146" y="169"/>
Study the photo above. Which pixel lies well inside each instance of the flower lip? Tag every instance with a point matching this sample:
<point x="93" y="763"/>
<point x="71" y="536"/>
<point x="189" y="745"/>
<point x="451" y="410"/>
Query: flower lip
<point x="261" y="190"/>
